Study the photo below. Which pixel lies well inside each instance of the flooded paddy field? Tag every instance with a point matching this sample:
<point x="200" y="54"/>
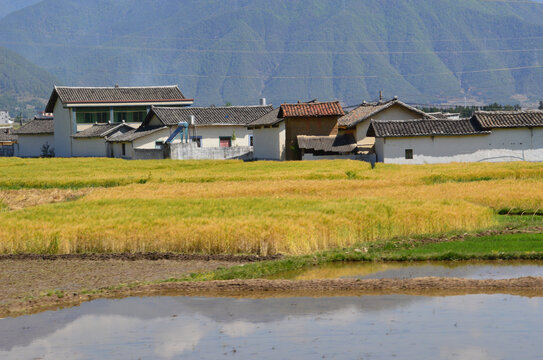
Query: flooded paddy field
<point x="353" y="327"/>
<point x="479" y="270"/>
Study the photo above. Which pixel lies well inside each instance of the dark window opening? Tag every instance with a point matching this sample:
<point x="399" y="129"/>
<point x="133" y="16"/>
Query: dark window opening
<point x="158" y="145"/>
<point x="197" y="140"/>
<point x="251" y="140"/>
<point x="409" y="154"/>
<point x="225" y="141"/>
<point x="123" y="149"/>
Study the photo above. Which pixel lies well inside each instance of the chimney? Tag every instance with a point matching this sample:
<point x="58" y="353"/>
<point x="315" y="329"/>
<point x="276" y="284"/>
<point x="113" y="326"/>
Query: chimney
<point x="116" y="86"/>
<point x="380" y="96"/>
<point x="263" y="101"/>
<point x="192" y="120"/>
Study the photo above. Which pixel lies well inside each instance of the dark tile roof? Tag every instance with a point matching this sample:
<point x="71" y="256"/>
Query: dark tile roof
<point x="509" y="119"/>
<point x="367" y="110"/>
<point x="102" y="130"/>
<point x="311" y="109"/>
<point x="338" y="144"/>
<point x="7" y="135"/>
<point x="97" y="95"/>
<point x="230" y="115"/>
<point x="36" y="127"/>
<point x="269" y="119"/>
<point x="423" y="127"/>
<point x="135" y="134"/>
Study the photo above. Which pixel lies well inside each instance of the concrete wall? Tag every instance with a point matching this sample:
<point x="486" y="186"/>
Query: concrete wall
<point x="191" y="151"/>
<point x="63" y="130"/>
<point x="30" y="145"/>
<point x="148" y="154"/>
<point x="395" y="112"/>
<point x="502" y="145"/>
<point x="368" y="158"/>
<point x="116" y="150"/>
<point x="269" y="143"/>
<point x="89" y="147"/>
<point x="210" y="135"/>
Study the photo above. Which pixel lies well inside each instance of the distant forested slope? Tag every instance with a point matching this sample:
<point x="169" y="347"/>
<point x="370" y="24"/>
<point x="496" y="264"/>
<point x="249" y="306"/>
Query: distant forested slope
<point x="9" y="6"/>
<point x="23" y="86"/>
<point x="218" y="51"/>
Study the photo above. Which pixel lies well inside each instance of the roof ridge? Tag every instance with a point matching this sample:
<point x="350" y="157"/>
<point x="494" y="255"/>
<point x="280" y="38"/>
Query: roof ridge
<point x="506" y="112"/>
<point x="415" y="120"/>
<point x="209" y="107"/>
<point x="116" y="87"/>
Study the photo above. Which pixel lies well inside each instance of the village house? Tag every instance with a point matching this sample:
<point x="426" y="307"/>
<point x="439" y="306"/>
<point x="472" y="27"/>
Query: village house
<point x="277" y="134"/>
<point x="357" y="121"/>
<point x="487" y="136"/>
<point x="5" y="118"/>
<point x="76" y="109"/>
<point x="34" y="137"/>
<point x="8" y="140"/>
<point x="218" y="128"/>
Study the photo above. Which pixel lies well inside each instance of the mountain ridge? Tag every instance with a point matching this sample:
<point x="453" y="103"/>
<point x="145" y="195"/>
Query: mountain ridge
<point x="238" y="50"/>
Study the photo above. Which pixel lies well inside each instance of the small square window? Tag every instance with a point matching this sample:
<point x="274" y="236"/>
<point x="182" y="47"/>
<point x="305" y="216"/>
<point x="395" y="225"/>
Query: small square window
<point x="409" y="154"/>
<point x="158" y="145"/>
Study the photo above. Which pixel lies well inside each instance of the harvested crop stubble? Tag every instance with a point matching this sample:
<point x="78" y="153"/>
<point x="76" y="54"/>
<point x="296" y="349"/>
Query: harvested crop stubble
<point x="261" y="208"/>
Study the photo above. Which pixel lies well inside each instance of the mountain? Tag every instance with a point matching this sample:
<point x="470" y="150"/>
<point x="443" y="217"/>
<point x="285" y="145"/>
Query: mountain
<point x="9" y="6"/>
<point x="24" y="87"/>
<point x="218" y="51"/>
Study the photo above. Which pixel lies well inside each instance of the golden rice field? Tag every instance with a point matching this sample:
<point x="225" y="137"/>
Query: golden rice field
<point x="108" y="205"/>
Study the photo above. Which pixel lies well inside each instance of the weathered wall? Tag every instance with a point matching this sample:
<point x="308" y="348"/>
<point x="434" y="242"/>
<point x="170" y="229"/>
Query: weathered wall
<point x="395" y="112"/>
<point x="190" y="151"/>
<point x="148" y="154"/>
<point x="30" y="145"/>
<point x="116" y="150"/>
<point x="269" y="143"/>
<point x="149" y="141"/>
<point x="91" y="147"/>
<point x="311" y="126"/>
<point x="502" y="145"/>
<point x="63" y="130"/>
<point x="368" y="158"/>
<point x="210" y="135"/>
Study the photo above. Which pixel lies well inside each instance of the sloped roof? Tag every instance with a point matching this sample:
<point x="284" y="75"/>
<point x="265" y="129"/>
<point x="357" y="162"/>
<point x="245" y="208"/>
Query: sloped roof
<point x="36" y="127"/>
<point x="6" y="135"/>
<point x="135" y="134"/>
<point x="102" y="130"/>
<point x="107" y="95"/>
<point x="205" y="116"/>
<point x="269" y="119"/>
<point x="311" y="109"/>
<point x="340" y="144"/>
<point x="509" y="119"/>
<point x="366" y="111"/>
<point x="424" y="127"/>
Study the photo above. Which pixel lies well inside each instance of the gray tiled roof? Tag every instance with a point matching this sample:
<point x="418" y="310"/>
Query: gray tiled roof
<point x="423" y="127"/>
<point x="269" y="119"/>
<point x="36" y="127"/>
<point x="135" y="134"/>
<point x="102" y="130"/>
<point x="6" y="134"/>
<point x="339" y="144"/>
<point x="92" y="95"/>
<point x="509" y="119"/>
<point x="366" y="111"/>
<point x="231" y="115"/>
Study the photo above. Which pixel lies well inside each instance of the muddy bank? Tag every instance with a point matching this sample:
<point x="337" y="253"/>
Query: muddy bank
<point x="527" y="286"/>
<point x="141" y="256"/>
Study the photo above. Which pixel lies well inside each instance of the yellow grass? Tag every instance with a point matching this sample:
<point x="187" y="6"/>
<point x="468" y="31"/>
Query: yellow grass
<point x="258" y="208"/>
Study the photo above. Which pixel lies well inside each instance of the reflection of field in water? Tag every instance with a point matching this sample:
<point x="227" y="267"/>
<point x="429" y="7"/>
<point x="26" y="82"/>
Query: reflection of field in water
<point x="382" y="327"/>
<point x="409" y="270"/>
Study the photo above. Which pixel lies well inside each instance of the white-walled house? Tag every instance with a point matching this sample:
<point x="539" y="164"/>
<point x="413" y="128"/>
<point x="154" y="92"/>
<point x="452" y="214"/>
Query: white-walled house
<point x="92" y="142"/>
<point x="269" y="136"/>
<point x="487" y="136"/>
<point x="357" y="121"/>
<point x="214" y="127"/>
<point x="77" y="109"/>
<point x="32" y="137"/>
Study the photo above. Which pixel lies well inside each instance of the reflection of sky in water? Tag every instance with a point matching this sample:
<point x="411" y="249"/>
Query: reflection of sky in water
<point x="376" y="327"/>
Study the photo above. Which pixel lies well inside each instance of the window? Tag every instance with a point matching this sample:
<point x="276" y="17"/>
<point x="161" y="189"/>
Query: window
<point x="225" y="141"/>
<point x="123" y="149"/>
<point x="197" y="140"/>
<point x="251" y="140"/>
<point x="409" y="154"/>
<point x="91" y="115"/>
<point x="158" y="145"/>
<point x="130" y="114"/>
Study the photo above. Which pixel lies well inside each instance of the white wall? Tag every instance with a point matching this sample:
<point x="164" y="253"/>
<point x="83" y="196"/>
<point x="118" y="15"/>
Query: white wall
<point x="63" y="130"/>
<point x="148" y="142"/>
<point x="502" y="145"/>
<point x="89" y="147"/>
<point x="210" y="135"/>
<point x="269" y="143"/>
<point x="30" y="145"/>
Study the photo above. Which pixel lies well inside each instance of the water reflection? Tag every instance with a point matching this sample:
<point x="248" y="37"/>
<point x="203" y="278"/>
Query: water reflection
<point x="461" y="327"/>
<point x="407" y="270"/>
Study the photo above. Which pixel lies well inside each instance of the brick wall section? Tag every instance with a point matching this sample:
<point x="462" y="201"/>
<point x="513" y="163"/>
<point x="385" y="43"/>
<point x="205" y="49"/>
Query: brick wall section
<point x="311" y="126"/>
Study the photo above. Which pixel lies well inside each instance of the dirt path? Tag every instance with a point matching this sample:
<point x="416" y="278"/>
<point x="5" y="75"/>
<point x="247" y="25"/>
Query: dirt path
<point x="528" y="286"/>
